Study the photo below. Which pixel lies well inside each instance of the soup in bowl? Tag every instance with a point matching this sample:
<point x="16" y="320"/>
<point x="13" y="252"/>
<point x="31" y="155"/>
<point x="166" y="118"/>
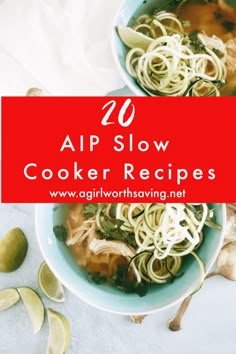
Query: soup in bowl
<point x="176" y="48"/>
<point x="130" y="258"/>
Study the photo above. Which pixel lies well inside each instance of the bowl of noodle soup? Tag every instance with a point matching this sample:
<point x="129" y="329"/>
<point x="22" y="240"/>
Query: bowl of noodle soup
<point x="77" y="245"/>
<point x="176" y="48"/>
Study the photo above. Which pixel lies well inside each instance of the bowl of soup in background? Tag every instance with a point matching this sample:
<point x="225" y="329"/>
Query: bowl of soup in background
<point x="127" y="10"/>
<point x="200" y="15"/>
<point x="161" y="296"/>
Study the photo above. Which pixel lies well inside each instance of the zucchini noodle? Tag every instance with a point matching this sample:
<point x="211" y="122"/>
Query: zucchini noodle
<point x="150" y="239"/>
<point x="171" y="66"/>
<point x="164" y="233"/>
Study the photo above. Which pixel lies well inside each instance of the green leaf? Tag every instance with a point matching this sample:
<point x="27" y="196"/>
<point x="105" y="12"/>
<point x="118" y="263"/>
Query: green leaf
<point x="107" y="224"/>
<point x="231" y="3"/>
<point x="122" y="281"/>
<point x="60" y="232"/>
<point x="186" y="23"/>
<point x="218" y="15"/>
<point x="193" y="36"/>
<point x="90" y="210"/>
<point x="111" y="230"/>
<point x="119" y="223"/>
<point x="96" y="278"/>
<point x="218" y="53"/>
<point x="229" y="25"/>
<point x="196" y="44"/>
<point x="113" y="210"/>
<point x="141" y="289"/>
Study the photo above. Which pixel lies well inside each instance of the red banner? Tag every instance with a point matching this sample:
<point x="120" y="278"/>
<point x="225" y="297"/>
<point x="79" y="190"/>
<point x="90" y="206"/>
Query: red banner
<point x="113" y="149"/>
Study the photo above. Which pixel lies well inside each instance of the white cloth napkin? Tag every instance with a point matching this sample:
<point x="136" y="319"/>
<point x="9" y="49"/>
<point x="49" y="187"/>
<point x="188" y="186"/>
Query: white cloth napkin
<point x="60" y="46"/>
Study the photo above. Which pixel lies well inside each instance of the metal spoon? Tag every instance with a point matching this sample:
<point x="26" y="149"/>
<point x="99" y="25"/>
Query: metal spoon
<point x="226" y="266"/>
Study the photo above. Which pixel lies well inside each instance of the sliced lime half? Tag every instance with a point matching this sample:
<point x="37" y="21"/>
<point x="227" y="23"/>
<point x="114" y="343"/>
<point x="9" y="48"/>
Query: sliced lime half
<point x="34" y="307"/>
<point x="59" y="333"/>
<point x="49" y="284"/>
<point x="132" y="38"/>
<point x="8" y="298"/>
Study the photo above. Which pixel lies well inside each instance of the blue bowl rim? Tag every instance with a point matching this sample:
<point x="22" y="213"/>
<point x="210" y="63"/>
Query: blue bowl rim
<point x="124" y="74"/>
<point x="64" y="279"/>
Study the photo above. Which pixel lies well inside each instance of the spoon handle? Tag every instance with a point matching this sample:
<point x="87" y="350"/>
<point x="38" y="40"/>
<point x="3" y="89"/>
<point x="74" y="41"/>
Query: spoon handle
<point x="137" y="319"/>
<point x="174" y="324"/>
<point x="212" y="274"/>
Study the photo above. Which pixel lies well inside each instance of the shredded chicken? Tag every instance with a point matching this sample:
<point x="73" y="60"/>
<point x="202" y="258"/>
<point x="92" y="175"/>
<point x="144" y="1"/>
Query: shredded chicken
<point x="78" y="235"/>
<point x="230" y="63"/>
<point x="214" y="42"/>
<point x="114" y="247"/>
<point x="228" y="49"/>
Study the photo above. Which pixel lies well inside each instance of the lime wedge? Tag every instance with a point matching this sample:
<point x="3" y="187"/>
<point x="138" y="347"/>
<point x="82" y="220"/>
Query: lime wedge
<point x="59" y="333"/>
<point x="49" y="284"/>
<point x="133" y="39"/>
<point x="34" y="307"/>
<point x="8" y="298"/>
<point x="13" y="249"/>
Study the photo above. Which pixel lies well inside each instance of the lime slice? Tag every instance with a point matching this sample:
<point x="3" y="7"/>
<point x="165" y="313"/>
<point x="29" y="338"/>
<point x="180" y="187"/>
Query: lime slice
<point x="8" y="298"/>
<point x="13" y="249"/>
<point x="59" y="333"/>
<point x="133" y="39"/>
<point x="49" y="284"/>
<point x="34" y="307"/>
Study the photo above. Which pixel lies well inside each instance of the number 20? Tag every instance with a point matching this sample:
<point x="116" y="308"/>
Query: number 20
<point x="121" y="114"/>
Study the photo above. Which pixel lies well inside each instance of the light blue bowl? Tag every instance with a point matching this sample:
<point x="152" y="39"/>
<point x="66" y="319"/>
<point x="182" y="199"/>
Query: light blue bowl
<point x="63" y="264"/>
<point x="131" y="9"/>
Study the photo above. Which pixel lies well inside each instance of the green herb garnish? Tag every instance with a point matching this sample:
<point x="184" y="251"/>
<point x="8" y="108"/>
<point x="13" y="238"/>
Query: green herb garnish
<point x="96" y="278"/>
<point x="218" y="15"/>
<point x="121" y="280"/>
<point x="109" y="227"/>
<point x="218" y="53"/>
<point x="196" y="44"/>
<point x="228" y="25"/>
<point x="111" y="230"/>
<point x="186" y="23"/>
<point x="60" y="232"/>
<point x="112" y="211"/>
<point x="231" y="3"/>
<point x="90" y="210"/>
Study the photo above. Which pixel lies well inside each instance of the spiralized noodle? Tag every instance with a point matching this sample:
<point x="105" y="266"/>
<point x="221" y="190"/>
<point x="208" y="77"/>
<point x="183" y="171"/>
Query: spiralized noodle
<point x="157" y="237"/>
<point x="170" y="66"/>
<point x="164" y="233"/>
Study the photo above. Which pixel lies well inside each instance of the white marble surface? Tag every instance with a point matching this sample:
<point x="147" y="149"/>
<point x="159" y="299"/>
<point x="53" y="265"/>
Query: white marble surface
<point x="39" y="48"/>
<point x="209" y="325"/>
<point x="61" y="46"/>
